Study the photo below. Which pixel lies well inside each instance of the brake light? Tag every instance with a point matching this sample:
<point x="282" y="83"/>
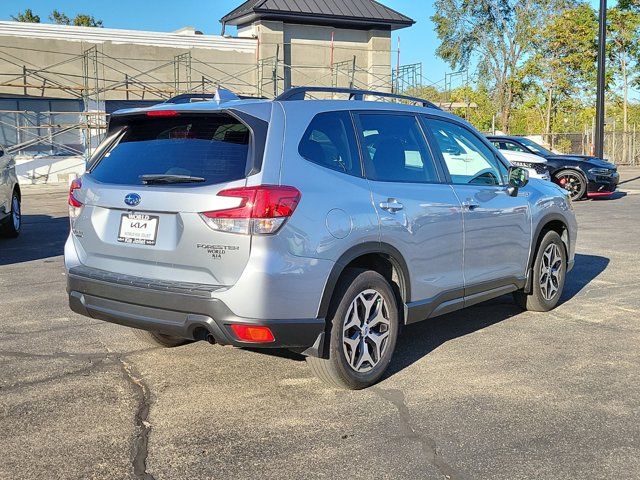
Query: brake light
<point x="253" y="334"/>
<point x="263" y="210"/>
<point x="162" y="113"/>
<point x="75" y="205"/>
<point x="76" y="184"/>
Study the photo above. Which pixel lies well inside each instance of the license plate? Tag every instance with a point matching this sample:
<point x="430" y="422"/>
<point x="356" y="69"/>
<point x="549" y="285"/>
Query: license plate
<point x="138" y="229"/>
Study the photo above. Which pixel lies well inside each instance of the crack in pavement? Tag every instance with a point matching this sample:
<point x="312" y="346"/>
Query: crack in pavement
<point x="141" y="441"/>
<point x="428" y="444"/>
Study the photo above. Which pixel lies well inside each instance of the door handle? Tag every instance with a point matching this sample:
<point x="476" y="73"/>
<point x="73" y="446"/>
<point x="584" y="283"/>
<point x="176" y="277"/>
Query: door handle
<point x="391" y="205"/>
<point x="470" y="204"/>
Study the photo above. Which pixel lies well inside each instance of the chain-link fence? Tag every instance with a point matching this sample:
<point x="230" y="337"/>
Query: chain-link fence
<point x="621" y="148"/>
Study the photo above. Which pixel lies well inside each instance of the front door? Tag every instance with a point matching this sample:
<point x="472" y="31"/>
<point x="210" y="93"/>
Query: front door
<point x="497" y="226"/>
<point x="419" y="213"/>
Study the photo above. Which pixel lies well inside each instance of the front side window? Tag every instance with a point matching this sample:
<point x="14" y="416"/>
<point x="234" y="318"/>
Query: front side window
<point x="330" y="142"/>
<point x="394" y="149"/>
<point x="467" y="158"/>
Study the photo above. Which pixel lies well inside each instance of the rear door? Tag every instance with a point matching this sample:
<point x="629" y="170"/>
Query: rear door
<point x="153" y="228"/>
<point x="419" y="213"/>
<point x="497" y="226"/>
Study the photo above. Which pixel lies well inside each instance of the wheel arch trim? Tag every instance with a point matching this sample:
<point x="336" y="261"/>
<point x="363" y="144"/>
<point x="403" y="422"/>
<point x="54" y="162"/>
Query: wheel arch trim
<point x="537" y="236"/>
<point x="360" y="250"/>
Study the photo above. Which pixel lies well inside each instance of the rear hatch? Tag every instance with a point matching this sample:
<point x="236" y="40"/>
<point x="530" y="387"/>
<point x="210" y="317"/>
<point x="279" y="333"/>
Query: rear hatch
<point x="143" y="195"/>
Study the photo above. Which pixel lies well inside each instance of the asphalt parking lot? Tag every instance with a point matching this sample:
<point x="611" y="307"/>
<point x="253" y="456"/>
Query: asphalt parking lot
<point x="489" y="392"/>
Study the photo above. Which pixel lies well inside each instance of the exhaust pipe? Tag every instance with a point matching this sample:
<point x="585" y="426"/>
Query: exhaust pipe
<point x="211" y="339"/>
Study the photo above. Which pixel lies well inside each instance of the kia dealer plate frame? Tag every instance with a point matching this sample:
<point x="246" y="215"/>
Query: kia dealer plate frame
<point x="138" y="228"/>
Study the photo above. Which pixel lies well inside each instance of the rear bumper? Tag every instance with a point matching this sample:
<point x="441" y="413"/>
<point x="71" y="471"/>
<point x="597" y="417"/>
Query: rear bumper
<point x="180" y="310"/>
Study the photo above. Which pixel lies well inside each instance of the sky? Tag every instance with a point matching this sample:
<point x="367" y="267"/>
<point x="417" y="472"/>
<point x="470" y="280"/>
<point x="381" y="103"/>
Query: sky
<point x="418" y="43"/>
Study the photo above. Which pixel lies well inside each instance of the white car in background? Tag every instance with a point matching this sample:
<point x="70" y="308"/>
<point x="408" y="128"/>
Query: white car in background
<point x="10" y="214"/>
<point x="536" y="165"/>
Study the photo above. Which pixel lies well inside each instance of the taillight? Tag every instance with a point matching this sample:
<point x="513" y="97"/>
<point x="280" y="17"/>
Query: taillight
<point x="253" y="333"/>
<point x="262" y="210"/>
<point x="75" y="205"/>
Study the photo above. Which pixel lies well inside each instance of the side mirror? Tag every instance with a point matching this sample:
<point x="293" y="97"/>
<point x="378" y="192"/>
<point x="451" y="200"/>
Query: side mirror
<point x="518" y="178"/>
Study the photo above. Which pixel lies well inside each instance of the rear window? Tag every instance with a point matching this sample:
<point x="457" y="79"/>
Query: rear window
<point x="212" y="147"/>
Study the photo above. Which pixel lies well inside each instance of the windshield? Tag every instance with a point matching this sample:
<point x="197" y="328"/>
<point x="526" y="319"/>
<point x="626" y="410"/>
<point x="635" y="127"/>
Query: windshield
<point x="533" y="146"/>
<point x="205" y="149"/>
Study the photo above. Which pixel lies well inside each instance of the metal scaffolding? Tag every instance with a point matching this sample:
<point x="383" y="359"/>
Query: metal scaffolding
<point x="94" y="78"/>
<point x="407" y="77"/>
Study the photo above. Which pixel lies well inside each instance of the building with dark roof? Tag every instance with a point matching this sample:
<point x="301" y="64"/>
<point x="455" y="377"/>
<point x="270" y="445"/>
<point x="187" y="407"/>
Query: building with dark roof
<point x="360" y="14"/>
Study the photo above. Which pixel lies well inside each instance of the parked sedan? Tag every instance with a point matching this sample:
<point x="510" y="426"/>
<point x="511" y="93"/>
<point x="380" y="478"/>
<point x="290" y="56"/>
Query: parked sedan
<point x="581" y="175"/>
<point x="536" y="165"/>
<point x="10" y="217"/>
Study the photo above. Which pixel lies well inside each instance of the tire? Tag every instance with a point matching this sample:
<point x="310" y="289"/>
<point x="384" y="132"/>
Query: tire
<point x="573" y="182"/>
<point x="546" y="286"/>
<point x="348" y="366"/>
<point x="160" y="339"/>
<point x="10" y="228"/>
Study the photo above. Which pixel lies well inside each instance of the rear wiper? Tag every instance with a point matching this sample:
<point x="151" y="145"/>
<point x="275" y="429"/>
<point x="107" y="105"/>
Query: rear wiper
<point x="166" y="178"/>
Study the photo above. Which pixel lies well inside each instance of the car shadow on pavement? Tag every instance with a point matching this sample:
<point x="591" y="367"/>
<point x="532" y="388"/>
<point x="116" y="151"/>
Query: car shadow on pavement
<point x="41" y="237"/>
<point x="420" y="339"/>
<point x="586" y="268"/>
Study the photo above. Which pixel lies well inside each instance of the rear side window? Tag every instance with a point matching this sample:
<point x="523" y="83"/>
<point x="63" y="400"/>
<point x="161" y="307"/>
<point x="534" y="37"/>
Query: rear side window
<point x="330" y="142"/>
<point x="212" y="147"/>
<point x="395" y="150"/>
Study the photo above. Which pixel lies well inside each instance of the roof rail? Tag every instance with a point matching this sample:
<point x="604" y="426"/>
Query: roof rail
<point x="299" y="93"/>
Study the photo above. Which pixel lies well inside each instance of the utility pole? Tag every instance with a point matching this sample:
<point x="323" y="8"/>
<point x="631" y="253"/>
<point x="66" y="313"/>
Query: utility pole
<point x="602" y="42"/>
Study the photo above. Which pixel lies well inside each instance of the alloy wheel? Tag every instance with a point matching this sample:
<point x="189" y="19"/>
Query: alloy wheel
<point x="550" y="270"/>
<point x="365" y="331"/>
<point x="572" y="183"/>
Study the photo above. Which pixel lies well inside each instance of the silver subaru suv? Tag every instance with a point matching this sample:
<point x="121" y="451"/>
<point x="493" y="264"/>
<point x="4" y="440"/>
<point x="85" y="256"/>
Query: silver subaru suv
<point x="319" y="225"/>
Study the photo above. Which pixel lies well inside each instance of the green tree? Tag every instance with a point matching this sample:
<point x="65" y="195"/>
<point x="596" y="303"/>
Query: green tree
<point x="629" y="4"/>
<point x="27" y="16"/>
<point x="80" y="20"/>
<point x="564" y="58"/>
<point x="84" y="20"/>
<point x="497" y="35"/>
<point x="624" y="53"/>
<point x="59" y="18"/>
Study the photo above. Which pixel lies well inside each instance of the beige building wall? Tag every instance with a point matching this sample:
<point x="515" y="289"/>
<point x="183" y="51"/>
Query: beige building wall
<point x="307" y="55"/>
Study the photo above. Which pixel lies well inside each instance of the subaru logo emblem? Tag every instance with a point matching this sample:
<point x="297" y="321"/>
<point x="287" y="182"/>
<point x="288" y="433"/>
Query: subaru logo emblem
<point x="132" y="199"/>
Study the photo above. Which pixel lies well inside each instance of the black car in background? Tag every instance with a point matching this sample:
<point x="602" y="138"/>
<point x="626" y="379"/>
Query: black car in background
<point x="581" y="175"/>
